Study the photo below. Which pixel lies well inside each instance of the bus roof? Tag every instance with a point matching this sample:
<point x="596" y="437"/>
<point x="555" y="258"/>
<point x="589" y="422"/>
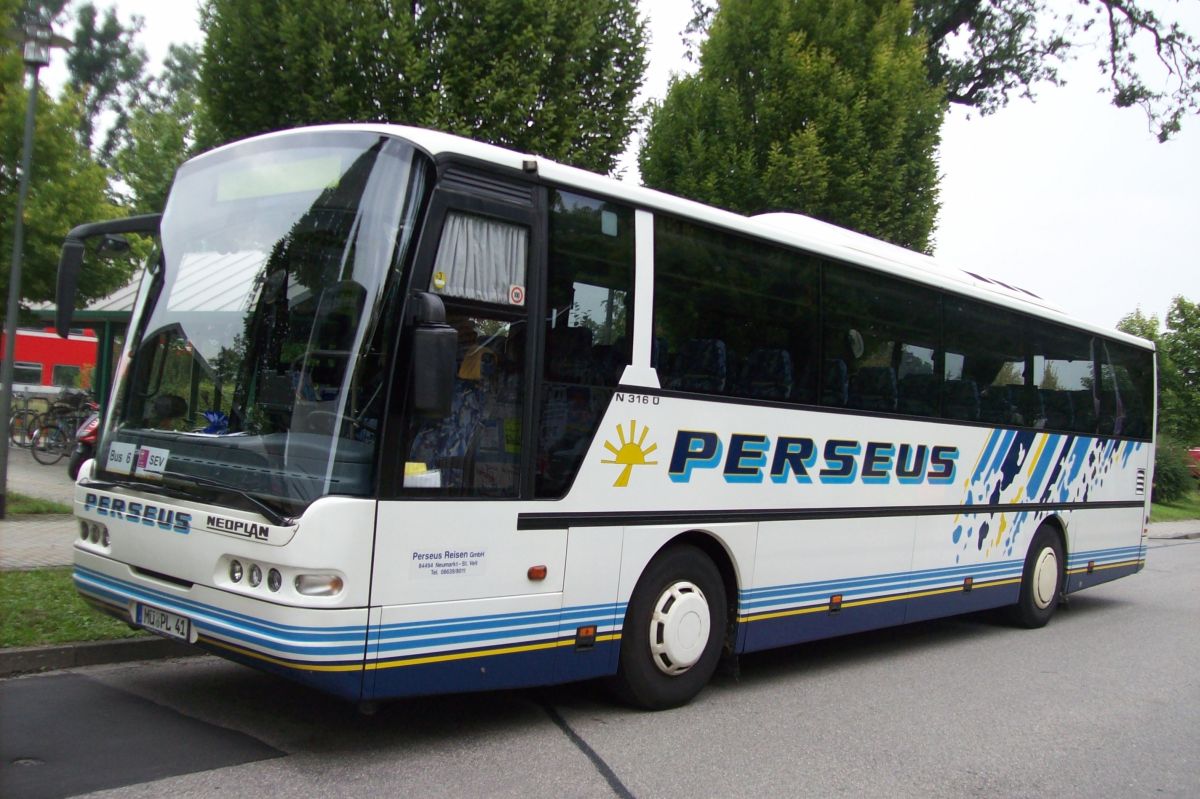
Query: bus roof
<point x="792" y="229"/>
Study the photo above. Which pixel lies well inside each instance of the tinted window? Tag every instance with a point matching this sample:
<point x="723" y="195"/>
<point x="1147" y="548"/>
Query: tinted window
<point x="985" y="365"/>
<point x="588" y="323"/>
<point x="1126" y="395"/>
<point x="1062" y="379"/>
<point x="733" y="316"/>
<point x="878" y="332"/>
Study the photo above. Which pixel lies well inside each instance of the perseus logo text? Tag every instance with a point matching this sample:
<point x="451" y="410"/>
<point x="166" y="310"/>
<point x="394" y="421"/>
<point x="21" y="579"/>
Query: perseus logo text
<point x="752" y="457"/>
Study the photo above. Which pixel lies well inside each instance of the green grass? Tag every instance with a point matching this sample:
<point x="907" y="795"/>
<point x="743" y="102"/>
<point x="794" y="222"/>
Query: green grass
<point x="1184" y="509"/>
<point x="22" y="504"/>
<point x="41" y="607"/>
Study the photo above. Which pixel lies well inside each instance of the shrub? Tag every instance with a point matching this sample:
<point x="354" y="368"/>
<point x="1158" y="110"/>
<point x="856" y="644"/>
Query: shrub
<point x="1172" y="471"/>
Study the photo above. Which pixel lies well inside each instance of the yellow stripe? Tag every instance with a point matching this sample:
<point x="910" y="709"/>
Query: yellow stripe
<point x="823" y="608"/>
<point x="395" y="664"/>
<point x="1037" y="455"/>
<point x="506" y="650"/>
<point x="278" y="661"/>
<point x="1083" y="569"/>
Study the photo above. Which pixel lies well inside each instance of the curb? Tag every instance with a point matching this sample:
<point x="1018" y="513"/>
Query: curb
<point x="28" y="659"/>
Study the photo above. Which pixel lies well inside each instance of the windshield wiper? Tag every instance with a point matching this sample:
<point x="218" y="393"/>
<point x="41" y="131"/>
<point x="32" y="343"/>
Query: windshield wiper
<point x="272" y="514"/>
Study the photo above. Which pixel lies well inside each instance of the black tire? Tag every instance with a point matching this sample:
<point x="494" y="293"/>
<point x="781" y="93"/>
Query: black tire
<point x="678" y="589"/>
<point x="1041" y="581"/>
<point x="49" y="444"/>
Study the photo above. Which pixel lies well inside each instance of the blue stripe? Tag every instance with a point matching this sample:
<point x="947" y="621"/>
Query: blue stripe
<point x="943" y="573"/>
<point x="498" y="621"/>
<point x="318" y="642"/>
<point x="1002" y="451"/>
<point x="1039" y="471"/>
<point x="987" y="453"/>
<point x="251" y="622"/>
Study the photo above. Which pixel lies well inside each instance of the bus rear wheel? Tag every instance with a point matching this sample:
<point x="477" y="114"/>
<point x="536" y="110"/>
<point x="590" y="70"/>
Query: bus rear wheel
<point x="674" y="630"/>
<point x="1041" y="581"/>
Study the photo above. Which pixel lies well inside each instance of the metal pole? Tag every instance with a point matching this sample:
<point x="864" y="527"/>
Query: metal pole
<point x="14" y="289"/>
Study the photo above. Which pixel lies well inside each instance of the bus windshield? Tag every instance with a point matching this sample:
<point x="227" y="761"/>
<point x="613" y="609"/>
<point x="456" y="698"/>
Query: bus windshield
<point x="253" y="366"/>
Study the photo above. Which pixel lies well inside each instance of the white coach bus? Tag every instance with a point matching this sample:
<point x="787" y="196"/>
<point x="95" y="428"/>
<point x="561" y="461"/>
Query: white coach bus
<point x="401" y="413"/>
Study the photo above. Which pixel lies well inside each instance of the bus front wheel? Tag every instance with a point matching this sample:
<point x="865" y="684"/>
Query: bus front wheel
<point x="1041" y="581"/>
<point x="674" y="630"/>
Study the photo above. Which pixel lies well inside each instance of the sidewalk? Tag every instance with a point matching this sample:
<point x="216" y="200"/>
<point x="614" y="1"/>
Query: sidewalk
<point x="36" y="542"/>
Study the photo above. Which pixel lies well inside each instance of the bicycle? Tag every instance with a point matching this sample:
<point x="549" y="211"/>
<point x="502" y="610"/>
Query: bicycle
<point x="50" y="443"/>
<point x="21" y="426"/>
<point x="54" y="437"/>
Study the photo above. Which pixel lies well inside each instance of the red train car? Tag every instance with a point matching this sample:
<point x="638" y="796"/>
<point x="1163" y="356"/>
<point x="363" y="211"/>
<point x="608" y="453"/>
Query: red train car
<point x="43" y="362"/>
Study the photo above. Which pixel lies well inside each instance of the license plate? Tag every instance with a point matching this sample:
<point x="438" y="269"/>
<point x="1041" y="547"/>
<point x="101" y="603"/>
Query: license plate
<point x="164" y="622"/>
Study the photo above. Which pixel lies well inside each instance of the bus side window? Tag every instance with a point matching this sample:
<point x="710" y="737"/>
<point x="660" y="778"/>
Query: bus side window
<point x="732" y="316"/>
<point x="588" y="327"/>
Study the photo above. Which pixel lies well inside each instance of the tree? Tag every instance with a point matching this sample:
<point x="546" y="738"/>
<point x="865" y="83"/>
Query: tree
<point x="66" y="187"/>
<point x="165" y="128"/>
<point x="816" y="106"/>
<point x="1010" y="45"/>
<point x="107" y="70"/>
<point x="1178" y="366"/>
<point x="554" y="77"/>
<point x="1181" y="343"/>
<point x="985" y="51"/>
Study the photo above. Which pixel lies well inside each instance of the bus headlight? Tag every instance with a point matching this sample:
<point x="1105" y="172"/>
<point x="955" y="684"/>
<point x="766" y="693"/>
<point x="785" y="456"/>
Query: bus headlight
<point x="235" y="571"/>
<point x="319" y="584"/>
<point x="274" y="579"/>
<point x="255" y="575"/>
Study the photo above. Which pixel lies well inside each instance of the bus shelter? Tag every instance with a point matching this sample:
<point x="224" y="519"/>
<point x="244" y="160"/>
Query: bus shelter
<point x="109" y="318"/>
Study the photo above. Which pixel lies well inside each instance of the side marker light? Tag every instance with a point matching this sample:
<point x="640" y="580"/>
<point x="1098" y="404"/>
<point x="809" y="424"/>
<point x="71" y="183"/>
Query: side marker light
<point x="536" y="573"/>
<point x="585" y="637"/>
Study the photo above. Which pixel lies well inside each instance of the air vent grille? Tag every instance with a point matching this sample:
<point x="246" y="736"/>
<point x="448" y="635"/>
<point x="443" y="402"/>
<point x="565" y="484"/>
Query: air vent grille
<point x="485" y="185"/>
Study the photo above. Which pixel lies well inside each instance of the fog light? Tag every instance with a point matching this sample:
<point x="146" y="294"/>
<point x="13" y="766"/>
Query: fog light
<point x="274" y="579"/>
<point x="255" y="575"/>
<point x="235" y="571"/>
<point x="319" y="584"/>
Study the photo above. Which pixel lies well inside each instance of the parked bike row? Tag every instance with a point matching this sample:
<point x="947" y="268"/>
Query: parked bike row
<point x="67" y="428"/>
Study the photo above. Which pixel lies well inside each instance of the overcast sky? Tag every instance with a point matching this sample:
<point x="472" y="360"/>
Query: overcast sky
<point x="1067" y="197"/>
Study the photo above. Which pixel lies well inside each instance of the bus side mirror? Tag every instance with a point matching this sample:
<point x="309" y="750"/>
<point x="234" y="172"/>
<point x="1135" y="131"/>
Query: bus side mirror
<point x="68" y="278"/>
<point x="435" y="347"/>
<point x="71" y="259"/>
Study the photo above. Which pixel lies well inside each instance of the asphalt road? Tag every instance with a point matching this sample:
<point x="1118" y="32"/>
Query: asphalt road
<point x="1105" y="701"/>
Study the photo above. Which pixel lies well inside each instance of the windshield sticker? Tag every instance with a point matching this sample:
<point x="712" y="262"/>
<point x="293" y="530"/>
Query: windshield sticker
<point x="447" y="563"/>
<point x="121" y="457"/>
<point x="150" y="462"/>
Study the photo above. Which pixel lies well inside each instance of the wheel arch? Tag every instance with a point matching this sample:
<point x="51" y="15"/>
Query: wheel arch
<point x="717" y="551"/>
<point x="1056" y="523"/>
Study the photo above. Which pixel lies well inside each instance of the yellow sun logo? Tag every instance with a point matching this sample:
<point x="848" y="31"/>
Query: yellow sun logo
<point x="630" y="453"/>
